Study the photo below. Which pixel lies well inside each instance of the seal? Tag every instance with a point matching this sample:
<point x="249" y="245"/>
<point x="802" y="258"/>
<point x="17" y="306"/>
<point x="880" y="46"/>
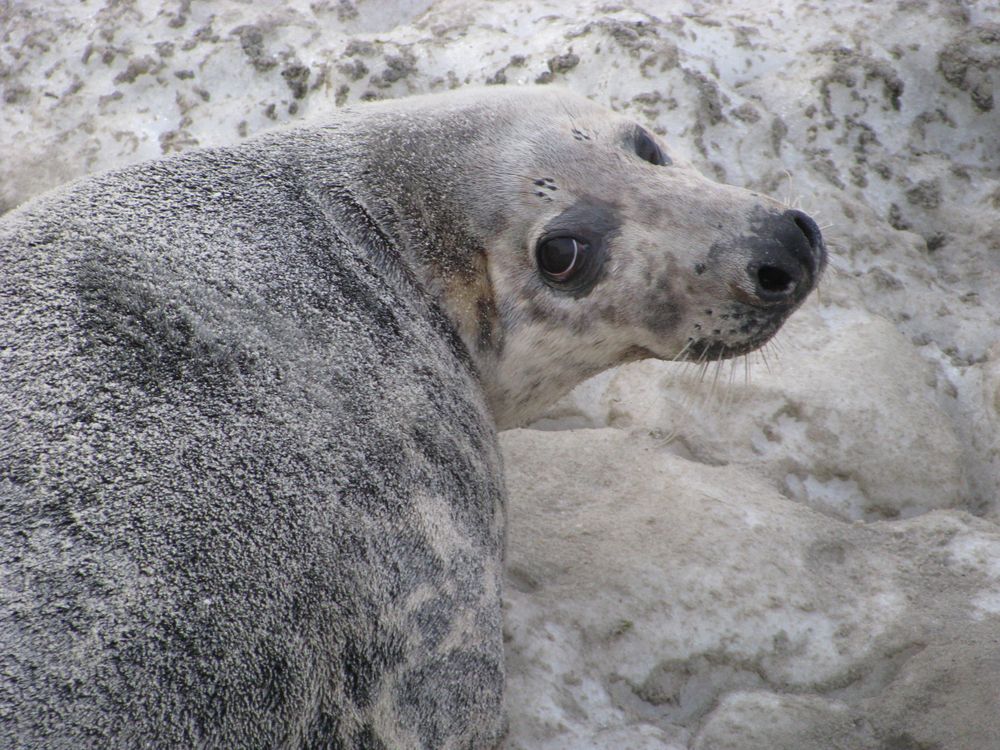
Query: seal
<point x="251" y="491"/>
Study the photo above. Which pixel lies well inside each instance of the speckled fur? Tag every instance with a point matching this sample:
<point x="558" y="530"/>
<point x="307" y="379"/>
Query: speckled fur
<point x="477" y="178"/>
<point x="251" y="494"/>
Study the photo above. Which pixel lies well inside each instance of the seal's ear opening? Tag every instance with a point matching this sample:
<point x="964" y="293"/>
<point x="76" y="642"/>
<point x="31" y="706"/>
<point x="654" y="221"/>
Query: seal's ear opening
<point x="647" y="149"/>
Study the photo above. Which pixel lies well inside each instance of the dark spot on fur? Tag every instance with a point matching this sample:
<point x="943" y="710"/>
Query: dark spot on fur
<point x="164" y="335"/>
<point x="661" y="310"/>
<point x="323" y="726"/>
<point x="367" y="739"/>
<point x="663" y="315"/>
<point x="699" y="268"/>
<point x="433" y="619"/>
<point x="365" y="660"/>
<point x="440" y="692"/>
<point x="486" y="315"/>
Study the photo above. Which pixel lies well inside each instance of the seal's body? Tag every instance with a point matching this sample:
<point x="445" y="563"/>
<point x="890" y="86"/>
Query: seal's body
<point x="250" y="493"/>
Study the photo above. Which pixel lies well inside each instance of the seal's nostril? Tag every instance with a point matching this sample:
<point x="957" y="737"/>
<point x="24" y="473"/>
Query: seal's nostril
<point x="808" y="227"/>
<point x="774" y="280"/>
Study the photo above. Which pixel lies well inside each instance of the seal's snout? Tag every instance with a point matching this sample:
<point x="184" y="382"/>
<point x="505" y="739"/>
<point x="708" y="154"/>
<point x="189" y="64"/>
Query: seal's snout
<point x="786" y="261"/>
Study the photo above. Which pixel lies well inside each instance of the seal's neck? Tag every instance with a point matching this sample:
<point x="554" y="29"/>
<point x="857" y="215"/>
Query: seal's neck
<point x="412" y="219"/>
<point x="428" y="260"/>
<point x="451" y="268"/>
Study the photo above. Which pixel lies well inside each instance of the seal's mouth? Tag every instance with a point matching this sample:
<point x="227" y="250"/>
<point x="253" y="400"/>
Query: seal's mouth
<point x="755" y="331"/>
<point x="707" y="350"/>
<point x="712" y="348"/>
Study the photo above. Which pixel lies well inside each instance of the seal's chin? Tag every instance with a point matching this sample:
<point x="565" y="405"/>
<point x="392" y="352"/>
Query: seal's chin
<point x="699" y="350"/>
<point x="635" y="353"/>
<point x="753" y="335"/>
<point x="702" y="349"/>
<point x="708" y="350"/>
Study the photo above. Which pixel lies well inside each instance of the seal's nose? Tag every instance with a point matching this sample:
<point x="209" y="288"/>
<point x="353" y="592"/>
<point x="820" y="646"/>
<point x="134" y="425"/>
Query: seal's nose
<point x="787" y="258"/>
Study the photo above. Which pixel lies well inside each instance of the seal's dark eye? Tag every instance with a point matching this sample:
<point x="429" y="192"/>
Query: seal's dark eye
<point x="646" y="148"/>
<point x="561" y="258"/>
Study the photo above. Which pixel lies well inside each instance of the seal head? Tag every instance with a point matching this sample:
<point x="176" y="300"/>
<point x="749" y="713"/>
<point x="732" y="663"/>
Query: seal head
<point x="563" y="239"/>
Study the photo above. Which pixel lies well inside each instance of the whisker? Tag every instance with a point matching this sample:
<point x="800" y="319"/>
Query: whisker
<point x="710" y="395"/>
<point x="730" y="395"/>
<point x="833" y="264"/>
<point x="679" y="357"/>
<point x="763" y="356"/>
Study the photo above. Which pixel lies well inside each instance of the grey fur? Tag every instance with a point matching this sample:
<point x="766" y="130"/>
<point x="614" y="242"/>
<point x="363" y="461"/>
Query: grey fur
<point x="250" y="493"/>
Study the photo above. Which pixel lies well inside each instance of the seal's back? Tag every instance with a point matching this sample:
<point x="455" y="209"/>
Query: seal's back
<point x="249" y="488"/>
